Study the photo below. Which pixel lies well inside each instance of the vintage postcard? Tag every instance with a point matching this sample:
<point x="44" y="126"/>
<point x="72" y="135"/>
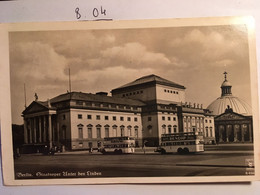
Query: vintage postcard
<point x="154" y="101"/>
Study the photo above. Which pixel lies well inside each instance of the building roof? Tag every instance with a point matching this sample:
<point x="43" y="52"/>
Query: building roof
<point x="150" y="79"/>
<point x="238" y="105"/>
<point x="95" y="98"/>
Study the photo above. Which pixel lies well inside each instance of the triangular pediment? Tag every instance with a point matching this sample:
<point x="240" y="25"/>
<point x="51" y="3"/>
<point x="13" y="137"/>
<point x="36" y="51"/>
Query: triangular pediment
<point x="35" y="107"/>
<point x="230" y="116"/>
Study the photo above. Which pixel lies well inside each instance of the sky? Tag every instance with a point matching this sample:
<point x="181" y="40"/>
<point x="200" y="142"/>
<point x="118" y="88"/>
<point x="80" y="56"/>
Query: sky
<point x="101" y="60"/>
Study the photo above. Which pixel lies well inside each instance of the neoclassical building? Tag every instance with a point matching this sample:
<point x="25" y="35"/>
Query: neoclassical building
<point x="233" y="116"/>
<point x="145" y="108"/>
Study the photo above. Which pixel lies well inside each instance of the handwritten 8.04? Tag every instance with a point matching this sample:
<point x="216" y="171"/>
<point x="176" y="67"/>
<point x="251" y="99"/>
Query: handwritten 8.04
<point x="96" y="13"/>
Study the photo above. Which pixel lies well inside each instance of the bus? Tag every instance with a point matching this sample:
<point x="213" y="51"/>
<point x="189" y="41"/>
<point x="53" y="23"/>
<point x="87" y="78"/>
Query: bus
<point x="118" y="145"/>
<point x="181" y="143"/>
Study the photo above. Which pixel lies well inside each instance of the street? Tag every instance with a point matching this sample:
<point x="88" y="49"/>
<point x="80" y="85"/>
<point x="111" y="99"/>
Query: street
<point x="229" y="161"/>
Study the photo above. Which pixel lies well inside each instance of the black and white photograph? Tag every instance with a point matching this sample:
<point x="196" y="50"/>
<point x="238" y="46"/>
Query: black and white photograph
<point x="168" y="102"/>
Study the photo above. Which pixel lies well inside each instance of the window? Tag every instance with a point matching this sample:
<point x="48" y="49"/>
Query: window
<point x="210" y="131"/>
<point x="136" y="131"/>
<point x="169" y="118"/>
<point x="114" y="118"/>
<point x="122" y="131"/>
<point x="106" y="131"/>
<point x="63" y="117"/>
<point x="169" y="129"/>
<point x="98" y="117"/>
<point x="89" y="116"/>
<point x="150" y="128"/>
<point x="89" y="132"/>
<point x="163" y="118"/>
<point x="114" y="130"/>
<point x="129" y="128"/>
<point x="209" y="121"/>
<point x="206" y="121"/>
<point x="149" y="118"/>
<point x="121" y="118"/>
<point x="79" y="116"/>
<point x="141" y="91"/>
<point x="135" y="119"/>
<point x="175" y="129"/>
<point x="80" y="130"/>
<point x="106" y="117"/>
<point x="174" y="118"/>
<point x="176" y="92"/>
<point x="98" y="131"/>
<point x="165" y="90"/>
<point x="207" y="131"/>
<point x="163" y="129"/>
<point x="128" y="118"/>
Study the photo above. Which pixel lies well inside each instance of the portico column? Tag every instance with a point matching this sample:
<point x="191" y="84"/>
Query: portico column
<point x="40" y="129"/>
<point x="58" y="132"/>
<point x="242" y="133"/>
<point x="25" y="131"/>
<point x="220" y="134"/>
<point x="227" y="140"/>
<point x="34" y="129"/>
<point x="250" y="132"/>
<point x="44" y="128"/>
<point x="31" y="127"/>
<point x="50" y="131"/>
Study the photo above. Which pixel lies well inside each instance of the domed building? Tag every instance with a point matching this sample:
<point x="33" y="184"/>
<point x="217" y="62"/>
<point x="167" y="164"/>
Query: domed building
<point x="233" y="116"/>
<point x="227" y="99"/>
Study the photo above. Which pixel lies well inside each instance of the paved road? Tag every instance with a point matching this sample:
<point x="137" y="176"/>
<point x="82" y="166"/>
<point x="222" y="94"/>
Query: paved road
<point x="82" y="164"/>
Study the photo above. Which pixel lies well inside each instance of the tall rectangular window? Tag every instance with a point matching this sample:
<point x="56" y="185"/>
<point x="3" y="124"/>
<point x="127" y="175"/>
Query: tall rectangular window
<point x="80" y="133"/>
<point x="128" y="118"/>
<point x="98" y="117"/>
<point x="121" y="118"/>
<point x="114" y="118"/>
<point x="135" y="119"/>
<point x="122" y="131"/>
<point x="106" y="131"/>
<point x="98" y="132"/>
<point x="89" y="132"/>
<point x="136" y="132"/>
<point x="149" y="118"/>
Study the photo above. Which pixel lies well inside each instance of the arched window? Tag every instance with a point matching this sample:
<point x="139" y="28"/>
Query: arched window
<point x="136" y="131"/>
<point x="169" y="129"/>
<point x="175" y="128"/>
<point x="122" y="130"/>
<point x="207" y="132"/>
<point x="163" y="129"/>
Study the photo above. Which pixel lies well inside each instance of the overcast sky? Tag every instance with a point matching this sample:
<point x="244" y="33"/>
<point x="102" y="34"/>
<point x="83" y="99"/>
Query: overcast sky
<point x="101" y="60"/>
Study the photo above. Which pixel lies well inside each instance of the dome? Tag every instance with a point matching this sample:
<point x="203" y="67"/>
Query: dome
<point x="228" y="100"/>
<point x="226" y="84"/>
<point x="220" y="105"/>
